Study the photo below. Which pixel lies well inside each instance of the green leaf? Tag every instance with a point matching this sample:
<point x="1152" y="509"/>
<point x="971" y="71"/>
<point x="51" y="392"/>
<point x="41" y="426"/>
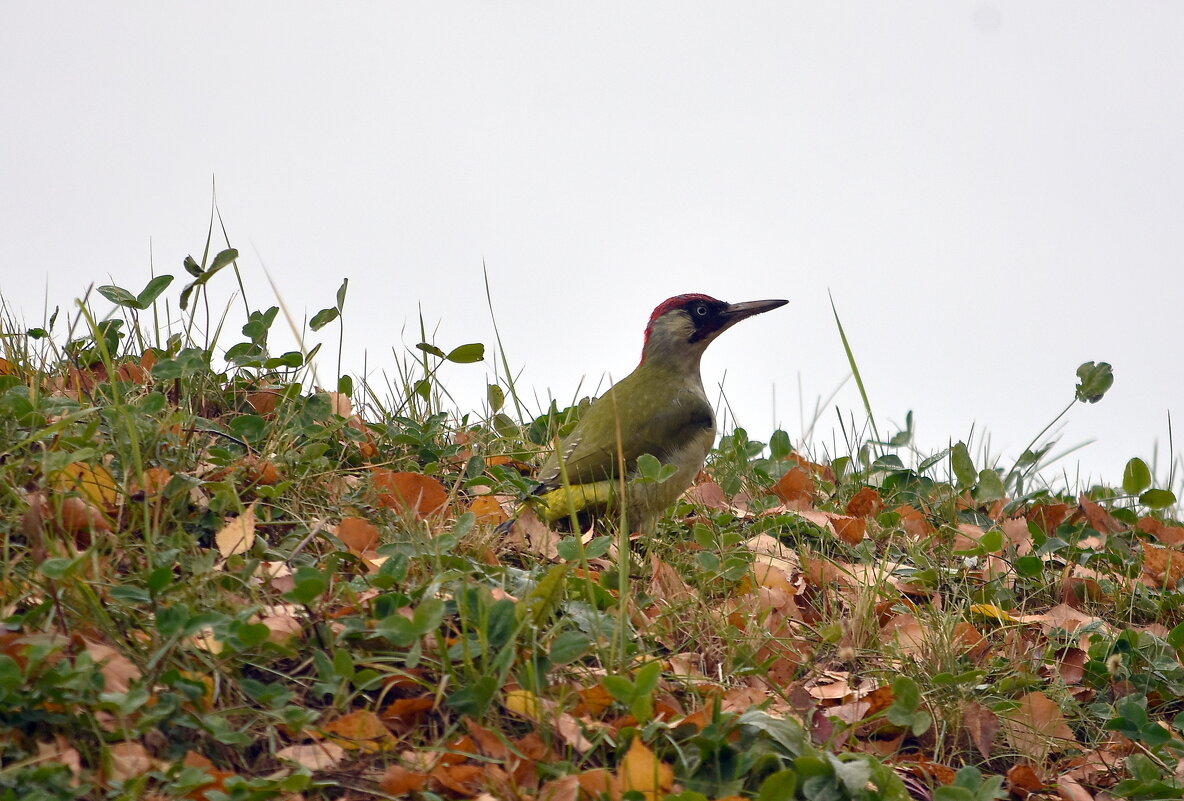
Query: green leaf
<point x="906" y="693"/>
<point x="427" y="347"/>
<point x="779" y="786"/>
<point x="963" y="465"/>
<point x="323" y="318"/>
<point x="544" y="599"/>
<point x="646" y="679"/>
<point x="992" y="541"/>
<point x="474" y="699"/>
<point x="467" y="354"/>
<point x="341" y="294"/>
<point x="779" y="445"/>
<point x="990" y="487"/>
<point x="568" y="647"/>
<point x="1158" y="499"/>
<point x="428" y="615"/>
<point x="152" y="291"/>
<point x="1029" y="566"/>
<point x="222" y="259"/>
<point x="310" y="584"/>
<point x="191" y="266"/>
<point x="619" y="687"/>
<point x="249" y="427"/>
<point x="345" y="385"/>
<point x="119" y="296"/>
<point x="1095" y="380"/>
<point x="1136" y="476"/>
<point x="496" y="397"/>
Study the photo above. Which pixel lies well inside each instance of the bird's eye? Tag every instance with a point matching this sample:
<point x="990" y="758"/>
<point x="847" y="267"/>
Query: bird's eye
<point x="701" y="310"/>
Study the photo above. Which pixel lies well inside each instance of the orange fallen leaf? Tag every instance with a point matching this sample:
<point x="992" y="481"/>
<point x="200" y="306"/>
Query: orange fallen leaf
<point x="416" y="493"/>
<point x="851" y="530"/>
<point x="1048" y="516"/>
<point x="914" y="522"/>
<point x="1162" y="567"/>
<point x="795" y="485"/>
<point x="865" y="503"/>
<point x="488" y="511"/>
<point x="398" y="780"/>
<point x="358" y="534"/>
<point x="464" y="780"/>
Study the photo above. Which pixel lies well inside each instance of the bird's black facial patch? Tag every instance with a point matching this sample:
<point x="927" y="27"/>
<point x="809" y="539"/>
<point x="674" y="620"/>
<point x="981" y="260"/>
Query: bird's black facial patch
<point x="708" y="316"/>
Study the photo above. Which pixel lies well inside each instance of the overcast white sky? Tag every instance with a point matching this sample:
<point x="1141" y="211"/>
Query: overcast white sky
<point x="991" y="191"/>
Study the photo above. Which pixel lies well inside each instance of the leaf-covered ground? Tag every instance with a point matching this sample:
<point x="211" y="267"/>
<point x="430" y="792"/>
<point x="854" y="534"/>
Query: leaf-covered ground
<point x="221" y="582"/>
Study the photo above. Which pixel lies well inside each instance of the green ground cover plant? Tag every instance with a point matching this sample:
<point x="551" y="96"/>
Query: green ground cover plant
<point x="222" y="580"/>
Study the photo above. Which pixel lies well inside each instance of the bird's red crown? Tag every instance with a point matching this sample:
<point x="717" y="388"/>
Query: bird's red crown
<point x="669" y="305"/>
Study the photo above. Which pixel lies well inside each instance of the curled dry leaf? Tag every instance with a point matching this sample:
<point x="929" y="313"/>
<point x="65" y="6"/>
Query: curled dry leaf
<point x="1167" y="535"/>
<point x="61" y="752"/>
<point x="707" y="493"/>
<point x="1022" y="780"/>
<point x="542" y="711"/>
<point x="850" y="530"/>
<point x="528" y="533"/>
<point x="1098" y="518"/>
<point x="151" y="483"/>
<point x="282" y="629"/>
<point x="666" y="584"/>
<point x="1162" y="567"/>
<point x="566" y="788"/>
<point x="1069" y="789"/>
<point x="865" y="503"/>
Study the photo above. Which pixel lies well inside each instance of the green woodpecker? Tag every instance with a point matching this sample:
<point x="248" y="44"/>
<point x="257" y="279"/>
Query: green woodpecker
<point x="660" y="409"/>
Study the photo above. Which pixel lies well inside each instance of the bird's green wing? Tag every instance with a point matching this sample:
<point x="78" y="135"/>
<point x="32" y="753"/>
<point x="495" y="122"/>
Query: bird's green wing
<point x="657" y="423"/>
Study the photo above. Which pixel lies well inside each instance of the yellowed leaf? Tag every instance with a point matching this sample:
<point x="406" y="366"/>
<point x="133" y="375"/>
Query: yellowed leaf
<point x="992" y="612"/>
<point x="93" y="482"/>
<point x="361" y="730"/>
<point x="642" y="771"/>
<point x="524" y="703"/>
<point x="238" y="535"/>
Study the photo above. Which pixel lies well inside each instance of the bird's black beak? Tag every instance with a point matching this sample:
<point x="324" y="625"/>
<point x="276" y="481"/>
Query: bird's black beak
<point x="740" y="311"/>
<point x="735" y="312"/>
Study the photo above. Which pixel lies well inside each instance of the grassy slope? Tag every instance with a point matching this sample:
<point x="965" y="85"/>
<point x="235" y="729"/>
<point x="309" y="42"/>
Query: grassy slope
<point x="219" y="583"/>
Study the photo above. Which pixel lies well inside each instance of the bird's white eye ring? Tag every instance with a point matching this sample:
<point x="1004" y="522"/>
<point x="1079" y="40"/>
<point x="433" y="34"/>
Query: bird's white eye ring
<point x="701" y="310"/>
